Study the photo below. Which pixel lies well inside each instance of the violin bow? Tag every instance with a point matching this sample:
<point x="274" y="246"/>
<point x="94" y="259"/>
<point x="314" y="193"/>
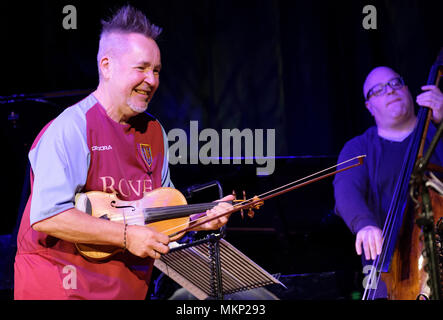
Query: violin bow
<point x="257" y="201"/>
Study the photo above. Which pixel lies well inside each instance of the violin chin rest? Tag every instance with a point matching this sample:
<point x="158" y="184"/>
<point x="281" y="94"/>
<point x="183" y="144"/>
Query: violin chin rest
<point x="83" y="203"/>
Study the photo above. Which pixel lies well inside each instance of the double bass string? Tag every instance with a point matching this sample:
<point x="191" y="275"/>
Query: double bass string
<point x="394" y="213"/>
<point x="386" y="236"/>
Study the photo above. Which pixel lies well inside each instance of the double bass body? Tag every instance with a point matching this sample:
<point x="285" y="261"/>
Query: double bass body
<point x="407" y="278"/>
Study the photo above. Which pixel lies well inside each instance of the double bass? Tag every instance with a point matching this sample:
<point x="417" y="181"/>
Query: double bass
<point x="410" y="260"/>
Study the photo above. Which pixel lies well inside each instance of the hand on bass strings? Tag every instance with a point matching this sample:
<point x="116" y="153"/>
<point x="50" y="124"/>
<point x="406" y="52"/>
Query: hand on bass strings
<point x="370" y="238"/>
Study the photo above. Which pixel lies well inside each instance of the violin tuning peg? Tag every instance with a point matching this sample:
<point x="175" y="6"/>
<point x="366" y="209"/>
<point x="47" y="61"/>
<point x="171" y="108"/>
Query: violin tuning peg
<point x="251" y="213"/>
<point x="244" y="195"/>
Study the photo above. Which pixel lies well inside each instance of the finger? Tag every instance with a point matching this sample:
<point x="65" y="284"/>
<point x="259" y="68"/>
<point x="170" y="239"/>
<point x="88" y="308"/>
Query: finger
<point x="436" y="109"/>
<point x="155" y="255"/>
<point x="227" y="198"/>
<point x="224" y="208"/>
<point x="378" y="243"/>
<point x="218" y="212"/>
<point x="366" y="249"/>
<point x="424" y="95"/>
<point x="423" y="98"/>
<point x="221" y="210"/>
<point x="220" y="221"/>
<point x="223" y="214"/>
<point x="160" y="248"/>
<point x="224" y="205"/>
<point x="163" y="238"/>
<point x="210" y="216"/>
<point x="428" y="87"/>
<point x="372" y="247"/>
<point x="432" y="94"/>
<point x="358" y="243"/>
<point x="155" y="236"/>
<point x="425" y="102"/>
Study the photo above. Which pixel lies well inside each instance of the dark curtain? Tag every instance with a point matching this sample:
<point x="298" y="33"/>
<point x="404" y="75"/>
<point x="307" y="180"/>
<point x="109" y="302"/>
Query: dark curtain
<point x="296" y="66"/>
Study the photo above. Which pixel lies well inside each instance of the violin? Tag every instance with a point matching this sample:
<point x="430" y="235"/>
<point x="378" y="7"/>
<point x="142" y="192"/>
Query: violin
<point x="166" y="210"/>
<point x="163" y="209"/>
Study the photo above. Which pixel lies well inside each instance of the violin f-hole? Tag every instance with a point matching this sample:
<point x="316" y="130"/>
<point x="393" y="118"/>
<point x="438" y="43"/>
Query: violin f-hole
<point x="113" y="202"/>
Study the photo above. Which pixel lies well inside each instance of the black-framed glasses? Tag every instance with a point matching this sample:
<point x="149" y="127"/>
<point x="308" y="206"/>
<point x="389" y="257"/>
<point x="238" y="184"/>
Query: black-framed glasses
<point x="380" y="89"/>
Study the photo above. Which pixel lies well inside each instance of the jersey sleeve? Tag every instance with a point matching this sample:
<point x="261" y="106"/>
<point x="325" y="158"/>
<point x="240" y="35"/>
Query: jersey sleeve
<point x="59" y="163"/>
<point x="166" y="179"/>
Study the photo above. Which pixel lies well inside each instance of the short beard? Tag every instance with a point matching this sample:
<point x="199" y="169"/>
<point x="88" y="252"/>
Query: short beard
<point x="137" y="108"/>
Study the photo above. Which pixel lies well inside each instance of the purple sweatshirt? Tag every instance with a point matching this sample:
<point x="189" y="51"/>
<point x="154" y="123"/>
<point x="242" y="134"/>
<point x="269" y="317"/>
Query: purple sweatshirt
<point x="363" y="194"/>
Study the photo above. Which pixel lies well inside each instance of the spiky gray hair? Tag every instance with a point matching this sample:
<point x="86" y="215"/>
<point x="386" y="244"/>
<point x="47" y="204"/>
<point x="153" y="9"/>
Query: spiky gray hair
<point x="128" y="19"/>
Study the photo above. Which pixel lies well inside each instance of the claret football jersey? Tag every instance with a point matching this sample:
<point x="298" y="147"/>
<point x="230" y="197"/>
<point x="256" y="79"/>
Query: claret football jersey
<point x="85" y="150"/>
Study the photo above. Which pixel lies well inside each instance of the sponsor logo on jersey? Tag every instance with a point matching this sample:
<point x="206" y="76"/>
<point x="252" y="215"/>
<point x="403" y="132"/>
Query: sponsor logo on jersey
<point x="124" y="187"/>
<point x="101" y="148"/>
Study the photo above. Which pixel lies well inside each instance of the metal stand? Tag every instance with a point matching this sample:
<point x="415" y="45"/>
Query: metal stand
<point x="214" y="248"/>
<point x="212" y="268"/>
<point x="216" y="272"/>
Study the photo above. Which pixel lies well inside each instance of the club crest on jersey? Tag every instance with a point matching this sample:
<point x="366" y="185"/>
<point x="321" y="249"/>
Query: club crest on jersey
<point x="145" y="150"/>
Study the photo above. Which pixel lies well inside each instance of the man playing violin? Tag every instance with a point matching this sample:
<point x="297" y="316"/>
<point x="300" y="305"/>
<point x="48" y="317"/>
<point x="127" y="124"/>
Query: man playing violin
<point x="106" y="142"/>
<point x="363" y="194"/>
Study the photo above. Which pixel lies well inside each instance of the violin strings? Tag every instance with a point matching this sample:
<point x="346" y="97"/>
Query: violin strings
<point x="133" y="219"/>
<point x="197" y="220"/>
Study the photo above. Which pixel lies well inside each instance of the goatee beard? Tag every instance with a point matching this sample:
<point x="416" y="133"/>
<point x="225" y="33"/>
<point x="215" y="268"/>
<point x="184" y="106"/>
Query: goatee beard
<point x="136" y="108"/>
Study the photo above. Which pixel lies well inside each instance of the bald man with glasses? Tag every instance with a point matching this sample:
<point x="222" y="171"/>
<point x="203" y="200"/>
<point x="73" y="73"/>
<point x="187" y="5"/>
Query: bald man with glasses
<point x="363" y="194"/>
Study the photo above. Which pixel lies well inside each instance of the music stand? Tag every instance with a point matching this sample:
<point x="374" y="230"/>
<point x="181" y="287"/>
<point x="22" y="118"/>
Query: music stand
<point x="212" y="267"/>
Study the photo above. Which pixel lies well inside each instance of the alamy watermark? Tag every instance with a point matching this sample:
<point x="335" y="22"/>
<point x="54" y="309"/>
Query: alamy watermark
<point x="70" y="280"/>
<point x="70" y="20"/>
<point x="217" y="148"/>
<point x="370" y="20"/>
<point x="370" y="280"/>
